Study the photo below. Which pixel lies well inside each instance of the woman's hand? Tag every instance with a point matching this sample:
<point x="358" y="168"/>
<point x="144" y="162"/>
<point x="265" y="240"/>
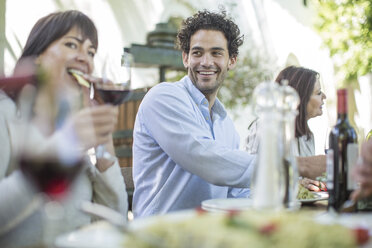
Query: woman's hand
<point x="93" y="126"/>
<point x="313" y="185"/>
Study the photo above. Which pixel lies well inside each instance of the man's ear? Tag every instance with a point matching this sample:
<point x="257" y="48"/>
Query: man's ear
<point x="232" y="62"/>
<point x="185" y="59"/>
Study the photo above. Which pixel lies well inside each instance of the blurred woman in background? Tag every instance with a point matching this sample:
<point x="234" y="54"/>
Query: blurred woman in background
<point x="58" y="43"/>
<point x="306" y="83"/>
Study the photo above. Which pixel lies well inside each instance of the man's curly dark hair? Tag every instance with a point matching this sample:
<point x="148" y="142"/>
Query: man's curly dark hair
<point x="210" y="21"/>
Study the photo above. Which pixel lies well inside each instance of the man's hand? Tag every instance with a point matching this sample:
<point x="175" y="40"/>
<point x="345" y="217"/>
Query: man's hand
<point x="363" y="172"/>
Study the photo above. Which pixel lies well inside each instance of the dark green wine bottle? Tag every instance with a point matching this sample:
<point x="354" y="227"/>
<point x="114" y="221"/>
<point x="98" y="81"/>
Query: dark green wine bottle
<point x="341" y="139"/>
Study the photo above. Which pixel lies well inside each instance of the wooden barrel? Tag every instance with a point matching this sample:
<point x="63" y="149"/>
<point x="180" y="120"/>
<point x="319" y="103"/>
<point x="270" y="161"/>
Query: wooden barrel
<point x="123" y="135"/>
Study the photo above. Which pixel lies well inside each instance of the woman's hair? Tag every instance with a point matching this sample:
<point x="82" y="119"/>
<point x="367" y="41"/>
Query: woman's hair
<point x="210" y="21"/>
<point x="303" y="81"/>
<point x="49" y="29"/>
<point x="53" y="26"/>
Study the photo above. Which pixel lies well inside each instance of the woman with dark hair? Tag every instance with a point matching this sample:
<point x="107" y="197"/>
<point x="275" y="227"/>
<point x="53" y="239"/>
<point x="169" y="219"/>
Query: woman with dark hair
<point x="58" y="43"/>
<point x="54" y="26"/>
<point x="306" y="83"/>
<point x="51" y="28"/>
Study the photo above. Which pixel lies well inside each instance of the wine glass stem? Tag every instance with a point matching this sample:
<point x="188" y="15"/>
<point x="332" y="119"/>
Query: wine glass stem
<point x="102" y="153"/>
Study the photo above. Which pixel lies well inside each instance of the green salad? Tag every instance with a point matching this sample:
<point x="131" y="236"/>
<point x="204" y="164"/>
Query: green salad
<point x="304" y="193"/>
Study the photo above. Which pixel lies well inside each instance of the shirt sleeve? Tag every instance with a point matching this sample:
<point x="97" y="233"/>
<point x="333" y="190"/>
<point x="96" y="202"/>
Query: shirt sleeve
<point x="109" y="188"/>
<point x="169" y="116"/>
<point x="238" y="193"/>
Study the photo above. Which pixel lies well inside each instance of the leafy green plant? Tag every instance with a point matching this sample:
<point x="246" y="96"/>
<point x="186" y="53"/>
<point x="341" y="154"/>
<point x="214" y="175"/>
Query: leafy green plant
<point x="346" y="29"/>
<point x="251" y="69"/>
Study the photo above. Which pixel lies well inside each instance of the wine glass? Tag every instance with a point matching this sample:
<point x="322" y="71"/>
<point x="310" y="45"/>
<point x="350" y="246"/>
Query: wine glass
<point x="51" y="170"/>
<point x="54" y="163"/>
<point x="326" y="139"/>
<point x="49" y="164"/>
<point x="52" y="166"/>
<point x="114" y="92"/>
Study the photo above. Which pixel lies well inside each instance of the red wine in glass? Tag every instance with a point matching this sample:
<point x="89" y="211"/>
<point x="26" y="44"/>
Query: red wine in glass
<point x="114" y="96"/>
<point x="50" y="175"/>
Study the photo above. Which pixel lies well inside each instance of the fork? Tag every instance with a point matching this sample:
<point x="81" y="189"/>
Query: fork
<point x="119" y="221"/>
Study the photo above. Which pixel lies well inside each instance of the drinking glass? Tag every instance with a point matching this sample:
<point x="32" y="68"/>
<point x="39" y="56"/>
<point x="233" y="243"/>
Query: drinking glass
<point x="49" y="163"/>
<point x="50" y="166"/>
<point x="326" y="139"/>
<point x="114" y="92"/>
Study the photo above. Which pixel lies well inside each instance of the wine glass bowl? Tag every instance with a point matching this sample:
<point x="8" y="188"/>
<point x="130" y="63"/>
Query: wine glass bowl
<point x="49" y="158"/>
<point x="48" y="167"/>
<point x="49" y="174"/>
<point x="110" y="93"/>
<point x="114" y="94"/>
<point x="50" y="163"/>
<point x="118" y="90"/>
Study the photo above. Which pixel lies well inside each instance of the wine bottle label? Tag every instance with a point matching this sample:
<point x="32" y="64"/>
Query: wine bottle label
<point x="352" y="157"/>
<point x="330" y="168"/>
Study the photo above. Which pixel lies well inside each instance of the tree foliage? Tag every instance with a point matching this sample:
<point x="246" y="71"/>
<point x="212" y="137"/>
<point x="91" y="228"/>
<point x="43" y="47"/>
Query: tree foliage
<point x="251" y="69"/>
<point x="346" y="29"/>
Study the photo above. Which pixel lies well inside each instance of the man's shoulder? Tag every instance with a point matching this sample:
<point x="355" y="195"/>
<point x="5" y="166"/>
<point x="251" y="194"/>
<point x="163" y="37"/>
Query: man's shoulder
<point x="171" y="86"/>
<point x="167" y="90"/>
<point x="165" y="86"/>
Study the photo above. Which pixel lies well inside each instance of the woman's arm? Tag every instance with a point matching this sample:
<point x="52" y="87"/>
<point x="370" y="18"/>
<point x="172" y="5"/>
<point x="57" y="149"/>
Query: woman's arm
<point x="312" y="166"/>
<point x="308" y="167"/>
<point x="109" y="188"/>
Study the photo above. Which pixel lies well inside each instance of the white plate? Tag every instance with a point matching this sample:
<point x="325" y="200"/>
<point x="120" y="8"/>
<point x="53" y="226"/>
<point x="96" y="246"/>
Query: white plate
<point x="226" y="204"/>
<point x="139" y="223"/>
<point x="96" y="235"/>
<point x="318" y="196"/>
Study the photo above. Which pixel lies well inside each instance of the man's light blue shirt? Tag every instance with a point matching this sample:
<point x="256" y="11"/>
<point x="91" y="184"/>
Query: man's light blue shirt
<point x="180" y="156"/>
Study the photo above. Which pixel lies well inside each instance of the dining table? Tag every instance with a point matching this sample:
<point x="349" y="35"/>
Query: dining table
<point x="104" y="234"/>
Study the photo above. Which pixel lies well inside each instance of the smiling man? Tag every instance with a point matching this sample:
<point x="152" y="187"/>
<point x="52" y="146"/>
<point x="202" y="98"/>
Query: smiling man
<point x="185" y="147"/>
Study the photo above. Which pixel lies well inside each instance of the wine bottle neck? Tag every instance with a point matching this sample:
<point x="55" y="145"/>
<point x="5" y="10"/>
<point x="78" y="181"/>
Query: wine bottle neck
<point x="342" y="116"/>
<point x="342" y="102"/>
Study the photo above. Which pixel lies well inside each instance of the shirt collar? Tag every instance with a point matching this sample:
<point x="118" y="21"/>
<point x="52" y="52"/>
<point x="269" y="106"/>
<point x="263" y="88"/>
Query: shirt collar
<point x="200" y="99"/>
